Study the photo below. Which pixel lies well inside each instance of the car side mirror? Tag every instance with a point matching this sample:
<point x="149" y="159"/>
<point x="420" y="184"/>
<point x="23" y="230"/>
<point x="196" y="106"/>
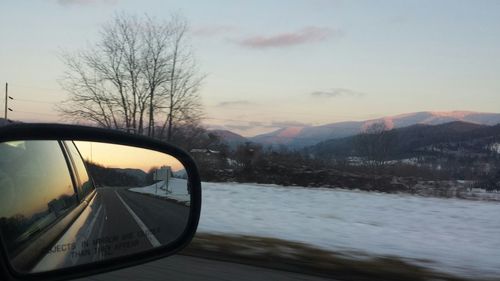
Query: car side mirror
<point x="76" y="201"/>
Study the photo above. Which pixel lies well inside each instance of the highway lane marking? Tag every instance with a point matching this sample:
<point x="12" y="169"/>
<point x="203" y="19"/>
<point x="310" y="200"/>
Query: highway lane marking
<point x="152" y="239"/>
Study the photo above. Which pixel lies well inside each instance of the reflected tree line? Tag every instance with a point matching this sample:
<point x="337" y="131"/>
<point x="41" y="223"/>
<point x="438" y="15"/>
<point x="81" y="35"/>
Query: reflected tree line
<point x="106" y="176"/>
<point x="20" y="229"/>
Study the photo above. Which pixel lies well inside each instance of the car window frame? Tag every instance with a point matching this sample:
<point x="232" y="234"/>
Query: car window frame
<point x="77" y="183"/>
<point x="44" y="240"/>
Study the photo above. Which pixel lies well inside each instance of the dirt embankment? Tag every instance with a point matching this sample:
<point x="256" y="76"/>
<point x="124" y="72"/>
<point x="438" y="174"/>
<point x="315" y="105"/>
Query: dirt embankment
<point x="301" y="258"/>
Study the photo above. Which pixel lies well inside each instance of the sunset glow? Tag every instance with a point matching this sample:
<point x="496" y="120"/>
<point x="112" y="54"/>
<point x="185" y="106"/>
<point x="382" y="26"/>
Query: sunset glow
<point x="125" y="157"/>
<point x="311" y="63"/>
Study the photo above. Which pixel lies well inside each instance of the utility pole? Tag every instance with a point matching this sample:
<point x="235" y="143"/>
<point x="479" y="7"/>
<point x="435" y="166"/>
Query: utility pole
<point x="7" y="97"/>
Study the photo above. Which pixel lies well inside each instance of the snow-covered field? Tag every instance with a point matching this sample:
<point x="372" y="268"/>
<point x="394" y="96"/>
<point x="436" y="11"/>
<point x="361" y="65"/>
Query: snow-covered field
<point x="453" y="235"/>
<point x="176" y="190"/>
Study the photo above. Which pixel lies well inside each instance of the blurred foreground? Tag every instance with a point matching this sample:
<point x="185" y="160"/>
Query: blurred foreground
<point x="272" y="232"/>
<point x="456" y="236"/>
<point x="215" y="257"/>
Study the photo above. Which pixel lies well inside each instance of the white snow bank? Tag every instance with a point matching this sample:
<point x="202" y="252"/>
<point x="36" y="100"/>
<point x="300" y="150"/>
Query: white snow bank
<point x="176" y="190"/>
<point x="458" y="236"/>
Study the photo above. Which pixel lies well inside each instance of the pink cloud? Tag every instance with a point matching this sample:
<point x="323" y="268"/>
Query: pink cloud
<point x="303" y="36"/>
<point x="337" y="92"/>
<point x="235" y="103"/>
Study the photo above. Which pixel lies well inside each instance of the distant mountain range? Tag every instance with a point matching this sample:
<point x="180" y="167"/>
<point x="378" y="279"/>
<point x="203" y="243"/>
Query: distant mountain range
<point x="299" y="137"/>
<point x="232" y="139"/>
<point x="409" y="141"/>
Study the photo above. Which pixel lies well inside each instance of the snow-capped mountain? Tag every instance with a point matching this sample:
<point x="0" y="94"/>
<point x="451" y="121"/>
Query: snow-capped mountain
<point x="304" y="136"/>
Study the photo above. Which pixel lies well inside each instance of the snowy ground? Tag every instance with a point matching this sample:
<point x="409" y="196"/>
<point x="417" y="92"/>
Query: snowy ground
<point x="176" y="190"/>
<point x="453" y="235"/>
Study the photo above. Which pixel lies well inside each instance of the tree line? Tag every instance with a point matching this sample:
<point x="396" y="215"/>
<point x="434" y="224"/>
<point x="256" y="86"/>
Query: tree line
<point x="372" y="160"/>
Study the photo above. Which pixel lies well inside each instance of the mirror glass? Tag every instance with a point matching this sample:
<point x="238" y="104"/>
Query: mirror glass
<point x="67" y="203"/>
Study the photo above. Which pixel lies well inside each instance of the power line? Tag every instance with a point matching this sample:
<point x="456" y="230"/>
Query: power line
<point x="56" y="102"/>
<point x="222" y="119"/>
<point x="36" y="101"/>
<point x="207" y="118"/>
<point x="20" y="85"/>
<point x="37" y="113"/>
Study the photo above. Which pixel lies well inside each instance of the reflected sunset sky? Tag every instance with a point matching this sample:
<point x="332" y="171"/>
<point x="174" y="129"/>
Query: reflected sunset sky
<point x="120" y="156"/>
<point x="19" y="193"/>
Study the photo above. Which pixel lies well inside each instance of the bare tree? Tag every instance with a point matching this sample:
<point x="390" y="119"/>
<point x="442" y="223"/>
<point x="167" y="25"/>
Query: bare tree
<point x="140" y="71"/>
<point x="157" y="62"/>
<point x="181" y="89"/>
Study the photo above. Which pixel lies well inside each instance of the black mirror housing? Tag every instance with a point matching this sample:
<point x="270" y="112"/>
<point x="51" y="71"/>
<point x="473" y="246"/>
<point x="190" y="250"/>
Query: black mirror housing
<point x="58" y="132"/>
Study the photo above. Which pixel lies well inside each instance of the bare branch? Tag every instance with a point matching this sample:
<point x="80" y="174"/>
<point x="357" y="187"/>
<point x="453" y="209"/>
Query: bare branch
<point x="140" y="71"/>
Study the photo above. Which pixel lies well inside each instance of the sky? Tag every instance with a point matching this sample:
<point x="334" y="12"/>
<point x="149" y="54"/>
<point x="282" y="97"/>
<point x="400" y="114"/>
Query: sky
<point x="270" y="64"/>
<point x="126" y="157"/>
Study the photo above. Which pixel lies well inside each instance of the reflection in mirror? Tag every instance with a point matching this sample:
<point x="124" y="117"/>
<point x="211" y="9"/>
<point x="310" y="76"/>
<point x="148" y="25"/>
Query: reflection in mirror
<point x="66" y="203"/>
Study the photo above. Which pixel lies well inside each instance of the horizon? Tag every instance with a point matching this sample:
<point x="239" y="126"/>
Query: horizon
<point x="403" y="114"/>
<point x="446" y="113"/>
<point x="313" y="63"/>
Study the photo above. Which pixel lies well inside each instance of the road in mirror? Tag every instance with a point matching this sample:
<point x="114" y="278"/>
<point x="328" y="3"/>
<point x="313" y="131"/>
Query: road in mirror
<point x="65" y="203"/>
